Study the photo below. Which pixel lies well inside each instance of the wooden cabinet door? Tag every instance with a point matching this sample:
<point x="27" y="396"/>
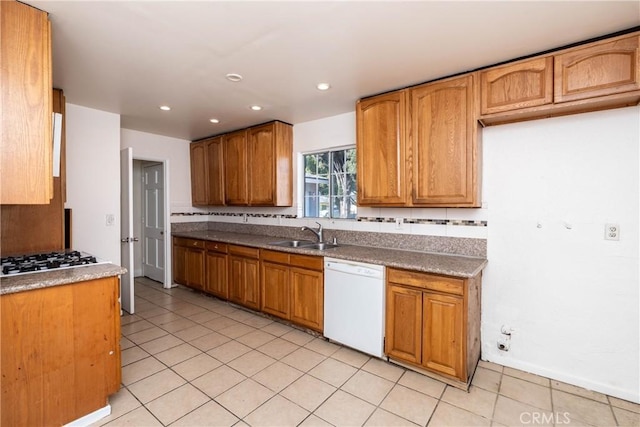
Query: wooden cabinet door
<point x="216" y="282"/>
<point x="307" y="298"/>
<point x="444" y="132"/>
<point x="403" y="323"/>
<point x="261" y="161"/>
<point x="381" y="149"/>
<point x="235" y="170"/>
<point x="195" y="268"/>
<point x="215" y="171"/>
<point x="514" y="86"/>
<point x="199" y="175"/>
<point x="26" y="147"/>
<point x="443" y="336"/>
<point x="603" y="68"/>
<point x="275" y="289"/>
<point x="180" y="264"/>
<point x="251" y="281"/>
<point x="236" y="278"/>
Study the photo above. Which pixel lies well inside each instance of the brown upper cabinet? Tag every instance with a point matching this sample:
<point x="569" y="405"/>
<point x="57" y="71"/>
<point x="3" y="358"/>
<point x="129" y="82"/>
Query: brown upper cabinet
<point x="595" y="76"/>
<point x="249" y="167"/>
<point x="432" y="131"/>
<point x="26" y="148"/>
<point x="523" y="84"/>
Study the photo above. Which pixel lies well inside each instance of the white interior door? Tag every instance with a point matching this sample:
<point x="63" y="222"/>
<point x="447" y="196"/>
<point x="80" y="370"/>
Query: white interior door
<point x="126" y="229"/>
<point x="153" y="222"/>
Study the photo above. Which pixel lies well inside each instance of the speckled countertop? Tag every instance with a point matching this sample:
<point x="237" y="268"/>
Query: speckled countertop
<point x="450" y="265"/>
<point x="45" y="279"/>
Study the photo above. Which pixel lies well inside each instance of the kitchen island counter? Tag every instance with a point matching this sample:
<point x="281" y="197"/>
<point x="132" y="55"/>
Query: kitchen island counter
<point x="428" y="262"/>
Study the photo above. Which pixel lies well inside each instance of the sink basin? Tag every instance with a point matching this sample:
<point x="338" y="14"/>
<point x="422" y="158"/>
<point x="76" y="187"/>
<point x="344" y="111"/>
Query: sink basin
<point x="292" y="243"/>
<point x="320" y="246"/>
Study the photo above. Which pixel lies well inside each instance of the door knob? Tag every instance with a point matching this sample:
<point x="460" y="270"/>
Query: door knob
<point x="125" y="240"/>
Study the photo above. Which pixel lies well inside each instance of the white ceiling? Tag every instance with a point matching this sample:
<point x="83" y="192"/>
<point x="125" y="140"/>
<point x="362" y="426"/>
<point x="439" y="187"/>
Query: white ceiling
<point x="129" y="57"/>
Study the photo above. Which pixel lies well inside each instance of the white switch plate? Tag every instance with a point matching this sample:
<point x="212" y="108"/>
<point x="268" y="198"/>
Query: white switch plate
<point x="612" y="232"/>
<point x="110" y="220"/>
<point x="399" y="222"/>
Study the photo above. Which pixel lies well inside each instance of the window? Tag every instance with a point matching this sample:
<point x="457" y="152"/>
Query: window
<point x="330" y="184"/>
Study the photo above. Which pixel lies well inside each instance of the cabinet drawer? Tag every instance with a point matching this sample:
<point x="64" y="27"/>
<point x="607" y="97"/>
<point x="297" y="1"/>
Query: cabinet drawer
<point x="190" y="243"/>
<point x="426" y="281"/>
<point x="244" y="251"/>
<point x="216" y="247"/>
<point x="306" y="261"/>
<point x="274" y="256"/>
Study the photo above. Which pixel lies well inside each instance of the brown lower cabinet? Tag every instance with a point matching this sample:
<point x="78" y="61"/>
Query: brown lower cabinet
<point x="292" y="287"/>
<point x="188" y="262"/>
<point x="244" y="286"/>
<point x="60" y="352"/>
<point x="433" y="322"/>
<point x="216" y="269"/>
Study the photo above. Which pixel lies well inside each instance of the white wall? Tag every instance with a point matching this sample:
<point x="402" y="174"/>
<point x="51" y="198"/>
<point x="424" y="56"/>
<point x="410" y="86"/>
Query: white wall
<point x="93" y="180"/>
<point x="571" y="296"/>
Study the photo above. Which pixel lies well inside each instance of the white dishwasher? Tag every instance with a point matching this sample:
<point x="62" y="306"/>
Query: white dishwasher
<point x="354" y="305"/>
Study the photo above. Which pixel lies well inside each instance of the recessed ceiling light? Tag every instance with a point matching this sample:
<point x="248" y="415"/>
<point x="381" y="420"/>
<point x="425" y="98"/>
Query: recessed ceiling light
<point x="233" y="77"/>
<point x="165" y="108"/>
<point x="323" y="86"/>
<point x="214" y="121"/>
<point x="256" y="107"/>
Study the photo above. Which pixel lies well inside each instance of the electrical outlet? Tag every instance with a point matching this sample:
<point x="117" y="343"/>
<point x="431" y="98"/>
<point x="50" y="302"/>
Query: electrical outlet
<point x="245" y="218"/>
<point x="611" y="232"/>
<point x="399" y="222"/>
<point x="110" y="220"/>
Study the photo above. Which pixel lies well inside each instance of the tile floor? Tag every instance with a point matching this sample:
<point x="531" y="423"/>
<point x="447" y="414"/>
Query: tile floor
<point x="193" y="360"/>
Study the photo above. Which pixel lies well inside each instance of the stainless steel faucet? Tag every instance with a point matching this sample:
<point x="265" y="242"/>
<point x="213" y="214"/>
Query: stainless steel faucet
<point x="318" y="233"/>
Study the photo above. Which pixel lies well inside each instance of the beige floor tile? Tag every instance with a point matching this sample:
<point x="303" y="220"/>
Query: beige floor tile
<point x="132" y="354"/>
<point x="177" y="403"/>
<point x="236" y="331"/>
<point x="510" y="412"/>
<point x="193" y="332"/>
<point x="343" y="409"/>
<point x="244" y="398"/>
<point x="303" y="359"/>
<point x="257" y="321"/>
<point x="126" y="318"/>
<point x="624" y="404"/>
<point x="177" y="354"/>
<point x="491" y="365"/>
<point x="368" y="387"/>
<point x="382" y="418"/>
<point x="229" y="351"/>
<point x="447" y="415"/>
<point x="121" y="403"/>
<point x="210" y="414"/>
<point x="487" y="379"/>
<point x="189" y="309"/>
<point x="255" y="338"/>
<point x="137" y="417"/>
<point x="532" y="378"/>
<point x="278" y="411"/>
<point x="218" y="381"/>
<point x="147" y="335"/>
<point x="165" y="318"/>
<point x="351" y="357"/>
<point x="277" y="376"/>
<point x="204" y="316"/>
<point x="583" y="409"/>
<point x="225" y="309"/>
<point x="134" y="327"/>
<point x="313" y="421"/>
<point x="298" y="337"/>
<point x="153" y="312"/>
<point x="333" y="372"/>
<point x="476" y="400"/>
<point x="278" y="348"/>
<point x="196" y="367"/>
<point x="422" y="383"/>
<point x="161" y="344"/>
<point x="140" y="369"/>
<point x="177" y="325"/>
<point x="383" y="369"/>
<point x="251" y="363"/>
<point x="589" y="394"/>
<point x="526" y="392"/>
<point x="409" y="404"/>
<point x="209" y="341"/>
<point x="125" y="343"/>
<point x="220" y="323"/>
<point x="156" y="385"/>
<point x="240" y="315"/>
<point x="277" y="329"/>
<point x="322" y="346"/>
<point x="308" y="392"/>
<point x="626" y="418"/>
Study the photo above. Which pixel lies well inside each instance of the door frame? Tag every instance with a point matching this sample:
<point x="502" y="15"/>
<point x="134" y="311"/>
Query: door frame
<point x="167" y="215"/>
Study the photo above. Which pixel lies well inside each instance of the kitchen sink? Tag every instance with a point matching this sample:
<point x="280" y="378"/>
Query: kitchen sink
<point x="320" y="246"/>
<point x="292" y="243"/>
